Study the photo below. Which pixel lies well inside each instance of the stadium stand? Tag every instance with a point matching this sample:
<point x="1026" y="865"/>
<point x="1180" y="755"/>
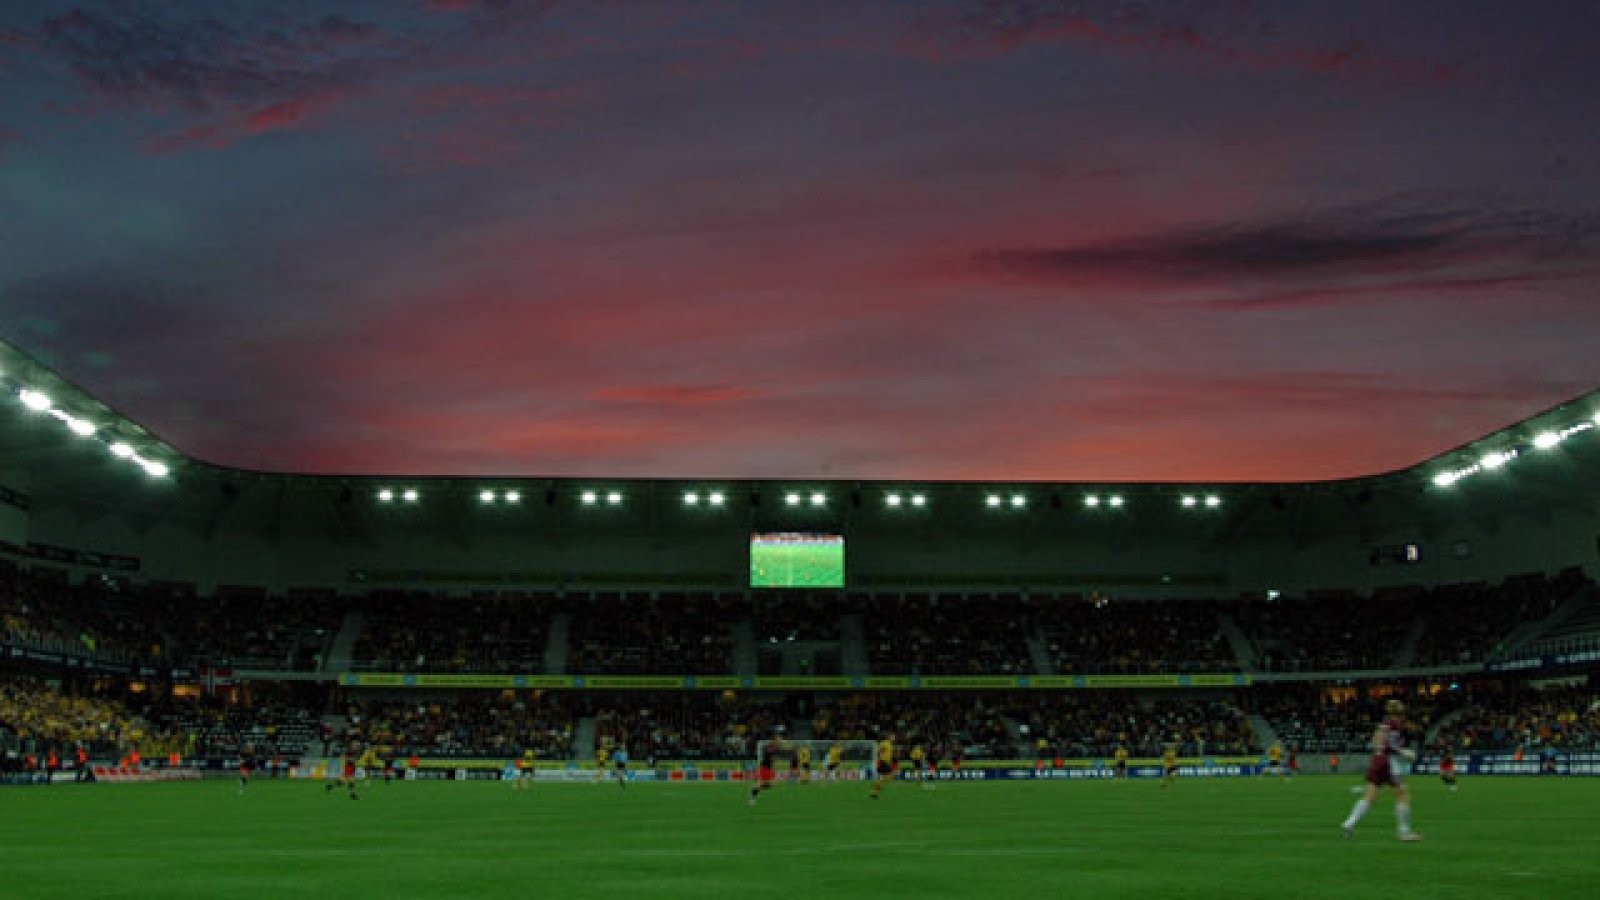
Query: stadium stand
<point x="644" y="634"/>
<point x="950" y="634"/>
<point x="433" y="632"/>
<point x="1092" y="636"/>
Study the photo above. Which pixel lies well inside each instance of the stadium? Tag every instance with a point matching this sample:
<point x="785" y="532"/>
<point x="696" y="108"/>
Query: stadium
<point x="167" y="617"/>
<point x="692" y="448"/>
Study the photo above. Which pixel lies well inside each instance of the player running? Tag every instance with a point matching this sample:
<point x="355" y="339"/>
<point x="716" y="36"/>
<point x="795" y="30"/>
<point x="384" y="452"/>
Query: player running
<point x="247" y="765"/>
<point x="1387" y="743"/>
<point x="619" y="758"/>
<point x="766" y="769"/>
<point x="885" y="764"/>
<point x="347" y="776"/>
<point x="1169" y="765"/>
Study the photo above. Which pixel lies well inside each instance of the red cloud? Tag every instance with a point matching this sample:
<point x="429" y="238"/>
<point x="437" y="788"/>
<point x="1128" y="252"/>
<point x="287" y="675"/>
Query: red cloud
<point x="675" y="395"/>
<point x="226" y="132"/>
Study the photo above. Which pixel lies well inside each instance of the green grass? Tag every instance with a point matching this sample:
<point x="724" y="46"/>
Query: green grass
<point x="1237" y="839"/>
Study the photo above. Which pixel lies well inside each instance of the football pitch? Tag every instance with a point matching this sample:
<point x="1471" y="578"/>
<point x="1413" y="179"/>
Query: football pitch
<point x="1230" y="838"/>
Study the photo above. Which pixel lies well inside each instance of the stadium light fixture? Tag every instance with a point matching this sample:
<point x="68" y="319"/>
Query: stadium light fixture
<point x="690" y="498"/>
<point x="589" y="498"/>
<point x="1445" y="479"/>
<point x="717" y="498"/>
<point x="1189" y="501"/>
<point x="154" y="469"/>
<point x="1091" y="501"/>
<point x="486" y="498"/>
<point x="1496" y="460"/>
<point x="614" y="498"/>
<point x="34" y="400"/>
<point x="993" y="501"/>
<point x="894" y="500"/>
<point x="385" y="496"/>
<point x="1018" y="501"/>
<point x="919" y="500"/>
<point x="409" y="495"/>
<point x="1213" y="501"/>
<point x="791" y="499"/>
<point x="819" y="499"/>
<point x="121" y="450"/>
<point x="1115" y="501"/>
<point x="80" y="427"/>
<point x="1544" y="440"/>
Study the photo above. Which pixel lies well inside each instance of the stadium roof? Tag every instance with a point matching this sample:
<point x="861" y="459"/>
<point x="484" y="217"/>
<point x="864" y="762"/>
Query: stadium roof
<point x="1545" y="462"/>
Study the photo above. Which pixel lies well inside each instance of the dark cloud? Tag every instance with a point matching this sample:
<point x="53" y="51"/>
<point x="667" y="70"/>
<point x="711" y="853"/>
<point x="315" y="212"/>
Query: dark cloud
<point x="1395" y="236"/>
<point x="128" y="56"/>
<point x="246" y="75"/>
<point x="1192" y="32"/>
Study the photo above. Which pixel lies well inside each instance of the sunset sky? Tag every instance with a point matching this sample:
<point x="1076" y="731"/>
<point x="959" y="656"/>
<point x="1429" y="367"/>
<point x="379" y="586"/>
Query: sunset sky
<point x="905" y="240"/>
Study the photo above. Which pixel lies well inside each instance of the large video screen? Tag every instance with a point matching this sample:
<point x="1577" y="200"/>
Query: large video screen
<point x="797" y="559"/>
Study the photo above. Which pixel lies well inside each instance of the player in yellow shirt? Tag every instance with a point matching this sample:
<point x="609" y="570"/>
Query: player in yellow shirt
<point x="835" y="759"/>
<point x="885" y="764"/>
<point x="602" y="755"/>
<point x="1275" y="759"/>
<point x="919" y="766"/>
<point x="1169" y="765"/>
<point x="1121" y="757"/>
<point x="524" y="771"/>
<point x="802" y="763"/>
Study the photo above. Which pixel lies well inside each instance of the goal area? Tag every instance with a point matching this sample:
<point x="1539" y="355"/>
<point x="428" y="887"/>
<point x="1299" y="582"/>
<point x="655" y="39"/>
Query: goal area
<point x="857" y="760"/>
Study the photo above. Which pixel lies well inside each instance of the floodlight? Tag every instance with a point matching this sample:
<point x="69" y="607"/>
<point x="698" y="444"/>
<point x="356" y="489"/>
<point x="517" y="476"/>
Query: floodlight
<point x="410" y="495"/>
<point x="486" y="497"/>
<point x="513" y="496"/>
<point x="1546" y="439"/>
<point x="386" y="496"/>
<point x="716" y="498"/>
<point x="819" y="499"/>
<point x="690" y="498"/>
<point x="1213" y="501"/>
<point x="1496" y="460"/>
<point x="791" y="499"/>
<point x="34" y="400"/>
<point x="1115" y="501"/>
<point x="893" y="500"/>
<point x="1018" y="501"/>
<point x="589" y="498"/>
<point x="1189" y="501"/>
<point x="80" y="427"/>
<point x="1444" y="479"/>
<point x="919" y="501"/>
<point x="1091" y="500"/>
<point x="121" y="450"/>
<point x="614" y="498"/>
<point x="154" y="469"/>
<point x="993" y="500"/>
<point x="1597" y="419"/>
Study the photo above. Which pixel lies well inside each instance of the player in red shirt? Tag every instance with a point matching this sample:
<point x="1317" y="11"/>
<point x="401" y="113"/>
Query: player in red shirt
<point x="1387" y="743"/>
<point x="766" y="770"/>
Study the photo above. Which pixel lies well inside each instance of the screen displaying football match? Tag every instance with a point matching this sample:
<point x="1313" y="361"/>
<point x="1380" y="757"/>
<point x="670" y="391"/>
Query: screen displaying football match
<point x="797" y="560"/>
